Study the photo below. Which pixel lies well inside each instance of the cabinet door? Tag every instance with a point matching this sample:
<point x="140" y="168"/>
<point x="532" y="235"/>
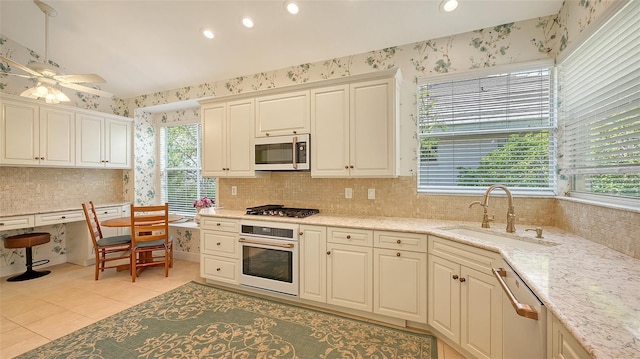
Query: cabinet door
<point x="349" y="276"/>
<point x="57" y="137"/>
<point x="117" y="143"/>
<point x="372" y="129"/>
<point x="313" y="263"/>
<point x="89" y="140"/>
<point x="240" y="153"/>
<point x="219" y="268"/>
<point x="214" y="152"/>
<point x="283" y="114"/>
<point x="400" y="284"/>
<point x="219" y="243"/>
<point x="330" y="128"/>
<point x="19" y="134"/>
<point x="481" y="314"/>
<point x="444" y="297"/>
<point x="563" y="344"/>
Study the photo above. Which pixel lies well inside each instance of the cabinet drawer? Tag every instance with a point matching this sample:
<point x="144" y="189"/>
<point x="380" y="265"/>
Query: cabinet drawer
<point x="108" y="212"/>
<point x="400" y="241"/>
<point x="219" y="268"/>
<point x="356" y="237"/>
<point x="469" y="256"/>
<point x="59" y="217"/>
<point x="220" y="224"/>
<point x="219" y="243"/>
<point x="16" y="222"/>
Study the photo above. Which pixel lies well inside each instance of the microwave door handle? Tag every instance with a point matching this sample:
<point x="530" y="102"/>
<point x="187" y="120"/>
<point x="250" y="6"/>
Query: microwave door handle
<point x="294" y="151"/>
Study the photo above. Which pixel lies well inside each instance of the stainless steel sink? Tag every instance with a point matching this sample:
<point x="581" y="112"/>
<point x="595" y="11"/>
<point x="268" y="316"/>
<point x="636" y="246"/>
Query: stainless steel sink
<point x="504" y="239"/>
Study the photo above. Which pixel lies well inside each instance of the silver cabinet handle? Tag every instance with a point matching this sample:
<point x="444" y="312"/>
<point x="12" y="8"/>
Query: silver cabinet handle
<point x="523" y="310"/>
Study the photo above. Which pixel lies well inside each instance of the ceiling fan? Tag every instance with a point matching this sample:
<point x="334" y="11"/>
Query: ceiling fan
<point x="50" y="78"/>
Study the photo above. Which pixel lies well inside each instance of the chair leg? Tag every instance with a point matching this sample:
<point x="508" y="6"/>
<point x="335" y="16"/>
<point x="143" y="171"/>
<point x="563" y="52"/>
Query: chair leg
<point x="134" y="270"/>
<point x="98" y="261"/>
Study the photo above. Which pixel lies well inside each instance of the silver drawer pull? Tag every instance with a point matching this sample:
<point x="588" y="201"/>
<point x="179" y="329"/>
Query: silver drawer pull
<point x="281" y="245"/>
<point x="523" y="310"/>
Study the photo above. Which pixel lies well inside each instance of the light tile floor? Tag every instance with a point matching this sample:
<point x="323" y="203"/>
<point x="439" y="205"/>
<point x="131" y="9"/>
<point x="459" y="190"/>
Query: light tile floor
<point x="38" y="311"/>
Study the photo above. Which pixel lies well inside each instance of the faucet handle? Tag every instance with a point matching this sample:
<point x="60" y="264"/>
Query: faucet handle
<point x="538" y="231"/>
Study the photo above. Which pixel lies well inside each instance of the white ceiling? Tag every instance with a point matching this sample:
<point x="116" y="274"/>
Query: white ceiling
<point x="145" y="46"/>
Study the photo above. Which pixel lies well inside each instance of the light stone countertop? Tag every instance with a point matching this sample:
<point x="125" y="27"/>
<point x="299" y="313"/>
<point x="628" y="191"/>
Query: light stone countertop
<point x="593" y="290"/>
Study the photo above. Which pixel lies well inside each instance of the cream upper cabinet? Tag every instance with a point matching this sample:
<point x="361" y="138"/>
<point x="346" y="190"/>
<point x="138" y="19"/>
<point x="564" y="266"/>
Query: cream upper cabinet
<point x="227" y="132"/>
<point x="34" y="135"/>
<point x="282" y="114"/>
<point x="354" y="129"/>
<point x="465" y="301"/>
<point x="102" y="141"/>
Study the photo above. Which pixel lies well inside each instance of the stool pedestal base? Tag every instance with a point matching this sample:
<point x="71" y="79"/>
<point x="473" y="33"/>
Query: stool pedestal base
<point x="29" y="274"/>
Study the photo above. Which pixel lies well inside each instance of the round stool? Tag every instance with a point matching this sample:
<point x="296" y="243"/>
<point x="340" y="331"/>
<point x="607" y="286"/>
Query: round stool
<point x="27" y="241"/>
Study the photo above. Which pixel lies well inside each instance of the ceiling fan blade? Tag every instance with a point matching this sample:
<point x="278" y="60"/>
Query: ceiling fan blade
<point x="93" y="78"/>
<point x="20" y="66"/>
<point x="19" y="75"/>
<point x="86" y="89"/>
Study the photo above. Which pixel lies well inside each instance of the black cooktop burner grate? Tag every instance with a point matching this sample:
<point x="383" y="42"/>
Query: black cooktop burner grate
<point x="281" y="211"/>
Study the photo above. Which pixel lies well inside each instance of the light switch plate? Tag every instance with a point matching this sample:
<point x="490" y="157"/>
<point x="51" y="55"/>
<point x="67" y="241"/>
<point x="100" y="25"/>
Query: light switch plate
<point x="234" y="190"/>
<point x="348" y="193"/>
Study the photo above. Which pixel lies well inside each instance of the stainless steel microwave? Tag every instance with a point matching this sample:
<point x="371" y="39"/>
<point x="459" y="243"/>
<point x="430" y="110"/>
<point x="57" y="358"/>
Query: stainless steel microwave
<point x="282" y="153"/>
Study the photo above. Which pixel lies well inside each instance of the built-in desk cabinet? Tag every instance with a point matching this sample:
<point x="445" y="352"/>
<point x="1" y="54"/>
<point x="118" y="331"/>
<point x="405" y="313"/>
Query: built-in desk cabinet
<point x="103" y="142"/>
<point x="16" y="222"/>
<point x="33" y="135"/>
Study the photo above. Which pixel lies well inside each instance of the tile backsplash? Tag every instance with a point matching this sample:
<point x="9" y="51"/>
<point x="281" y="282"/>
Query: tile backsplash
<point x="36" y="189"/>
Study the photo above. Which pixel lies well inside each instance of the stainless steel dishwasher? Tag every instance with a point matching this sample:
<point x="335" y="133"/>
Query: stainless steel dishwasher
<point x="524" y="318"/>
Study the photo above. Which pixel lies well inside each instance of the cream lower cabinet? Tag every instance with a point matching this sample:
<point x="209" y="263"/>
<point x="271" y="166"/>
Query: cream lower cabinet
<point x="465" y="301"/>
<point x="563" y="344"/>
<point x="227" y="133"/>
<point x="400" y="275"/>
<point x="220" y="249"/>
<point x="313" y="263"/>
<point x="355" y="129"/>
<point x="33" y="135"/>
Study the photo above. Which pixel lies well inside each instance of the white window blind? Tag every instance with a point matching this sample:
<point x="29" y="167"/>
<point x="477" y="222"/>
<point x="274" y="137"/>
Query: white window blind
<point x="181" y="180"/>
<point x="600" y="109"/>
<point x="481" y="130"/>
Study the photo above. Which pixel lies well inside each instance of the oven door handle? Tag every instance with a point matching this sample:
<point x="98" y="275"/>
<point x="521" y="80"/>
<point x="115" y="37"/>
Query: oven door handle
<point x="271" y="244"/>
<point x="523" y="310"/>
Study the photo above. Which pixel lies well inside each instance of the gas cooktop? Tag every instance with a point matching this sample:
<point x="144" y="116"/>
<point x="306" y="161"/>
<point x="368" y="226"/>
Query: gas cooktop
<point x="281" y="211"/>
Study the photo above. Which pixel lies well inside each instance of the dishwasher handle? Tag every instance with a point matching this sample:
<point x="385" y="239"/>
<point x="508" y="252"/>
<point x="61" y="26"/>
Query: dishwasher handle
<point x="523" y="310"/>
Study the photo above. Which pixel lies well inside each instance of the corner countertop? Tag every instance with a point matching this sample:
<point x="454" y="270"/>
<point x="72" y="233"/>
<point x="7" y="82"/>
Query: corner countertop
<point x="593" y="290"/>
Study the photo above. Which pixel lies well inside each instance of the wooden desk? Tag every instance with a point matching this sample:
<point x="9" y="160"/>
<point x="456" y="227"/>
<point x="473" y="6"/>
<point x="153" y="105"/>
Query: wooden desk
<point x="126" y="221"/>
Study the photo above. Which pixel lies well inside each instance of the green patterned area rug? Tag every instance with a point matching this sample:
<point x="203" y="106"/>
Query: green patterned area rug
<point x="200" y="321"/>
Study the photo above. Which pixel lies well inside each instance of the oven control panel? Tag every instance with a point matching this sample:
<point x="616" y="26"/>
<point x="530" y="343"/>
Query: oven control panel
<point x="274" y="230"/>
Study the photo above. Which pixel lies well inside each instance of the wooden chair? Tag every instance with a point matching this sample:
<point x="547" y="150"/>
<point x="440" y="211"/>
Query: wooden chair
<point x="106" y="249"/>
<point x="150" y="235"/>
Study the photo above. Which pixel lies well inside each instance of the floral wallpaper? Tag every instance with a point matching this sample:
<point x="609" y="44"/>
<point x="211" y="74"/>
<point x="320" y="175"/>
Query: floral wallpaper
<point x="534" y="39"/>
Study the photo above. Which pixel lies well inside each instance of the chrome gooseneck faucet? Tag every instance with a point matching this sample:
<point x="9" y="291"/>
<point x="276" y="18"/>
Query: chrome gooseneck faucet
<point x="511" y="216"/>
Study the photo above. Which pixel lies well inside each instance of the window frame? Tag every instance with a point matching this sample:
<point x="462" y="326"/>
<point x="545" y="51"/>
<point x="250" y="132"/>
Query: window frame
<point x="482" y="73"/>
<point x="162" y="158"/>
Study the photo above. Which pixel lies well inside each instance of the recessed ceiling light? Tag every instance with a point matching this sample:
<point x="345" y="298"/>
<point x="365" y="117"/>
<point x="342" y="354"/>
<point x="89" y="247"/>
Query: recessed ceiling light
<point x="448" y="5"/>
<point x="291" y="7"/>
<point x="208" y="33"/>
<point x="247" y="22"/>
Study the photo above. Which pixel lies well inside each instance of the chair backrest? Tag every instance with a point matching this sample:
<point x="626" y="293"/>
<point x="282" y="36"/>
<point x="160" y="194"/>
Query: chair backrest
<point x="93" y="223"/>
<point x="149" y="223"/>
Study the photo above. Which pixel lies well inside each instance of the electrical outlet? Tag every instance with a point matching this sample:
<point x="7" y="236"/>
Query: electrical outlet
<point x="371" y="193"/>
<point x="234" y="190"/>
<point x="348" y="193"/>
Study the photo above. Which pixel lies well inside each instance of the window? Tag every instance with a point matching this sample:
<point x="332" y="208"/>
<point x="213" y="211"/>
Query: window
<point x="487" y="128"/>
<point x="181" y="180"/>
<point x="600" y="111"/>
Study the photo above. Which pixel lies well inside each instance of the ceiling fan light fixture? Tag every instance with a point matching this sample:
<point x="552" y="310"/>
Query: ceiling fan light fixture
<point x="50" y="93"/>
<point x="291" y="7"/>
<point x="448" y="5"/>
<point x="247" y="22"/>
